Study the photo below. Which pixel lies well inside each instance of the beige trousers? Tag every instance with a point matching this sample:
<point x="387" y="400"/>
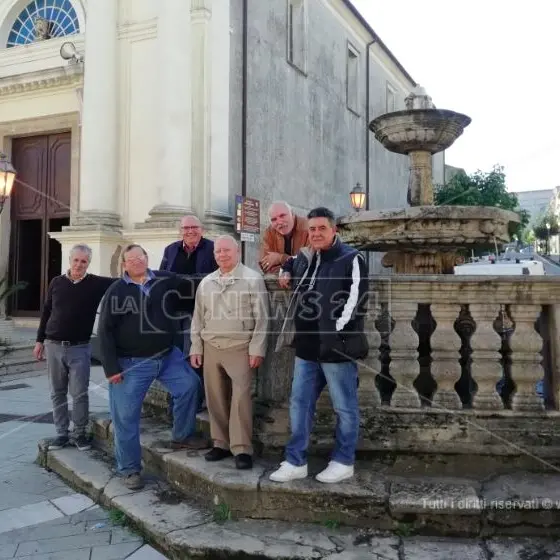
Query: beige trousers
<point x="227" y="384"/>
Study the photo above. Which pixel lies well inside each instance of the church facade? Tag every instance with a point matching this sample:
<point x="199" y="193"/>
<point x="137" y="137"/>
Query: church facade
<point x="120" y="116"/>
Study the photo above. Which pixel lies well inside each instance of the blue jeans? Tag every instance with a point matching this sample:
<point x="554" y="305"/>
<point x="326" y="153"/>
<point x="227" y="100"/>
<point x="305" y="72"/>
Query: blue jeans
<point x="126" y="398"/>
<point x="309" y="381"/>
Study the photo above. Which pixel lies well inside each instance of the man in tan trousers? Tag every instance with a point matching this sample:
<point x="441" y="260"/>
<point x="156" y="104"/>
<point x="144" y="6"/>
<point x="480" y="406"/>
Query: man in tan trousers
<point x="229" y="331"/>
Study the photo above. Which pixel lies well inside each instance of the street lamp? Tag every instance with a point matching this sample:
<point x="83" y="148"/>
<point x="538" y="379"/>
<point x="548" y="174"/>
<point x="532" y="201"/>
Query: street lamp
<point x="7" y="177"/>
<point x="357" y="197"/>
<point x="547" y="238"/>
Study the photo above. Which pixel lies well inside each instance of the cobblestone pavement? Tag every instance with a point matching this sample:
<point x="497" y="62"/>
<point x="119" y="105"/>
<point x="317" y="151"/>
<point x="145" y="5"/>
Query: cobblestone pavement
<point x="40" y="517"/>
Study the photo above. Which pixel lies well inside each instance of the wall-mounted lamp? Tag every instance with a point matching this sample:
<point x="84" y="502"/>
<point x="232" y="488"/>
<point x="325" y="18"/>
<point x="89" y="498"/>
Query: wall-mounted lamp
<point x="357" y="197"/>
<point x="68" y="52"/>
<point x="7" y="177"/>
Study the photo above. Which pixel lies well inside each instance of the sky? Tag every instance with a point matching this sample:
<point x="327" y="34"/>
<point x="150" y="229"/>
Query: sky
<point x="498" y="62"/>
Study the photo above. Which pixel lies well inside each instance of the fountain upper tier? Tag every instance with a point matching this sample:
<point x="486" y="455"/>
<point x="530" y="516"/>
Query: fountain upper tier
<point x="424" y="239"/>
<point x="419" y="130"/>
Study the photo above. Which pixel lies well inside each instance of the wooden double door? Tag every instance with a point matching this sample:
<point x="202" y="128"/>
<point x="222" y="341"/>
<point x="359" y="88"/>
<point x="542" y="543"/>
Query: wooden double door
<point x="40" y="204"/>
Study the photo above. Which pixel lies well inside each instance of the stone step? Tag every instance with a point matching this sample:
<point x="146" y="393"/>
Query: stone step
<point x="181" y="528"/>
<point x="511" y="436"/>
<point x="18" y="359"/>
<point x="385" y="494"/>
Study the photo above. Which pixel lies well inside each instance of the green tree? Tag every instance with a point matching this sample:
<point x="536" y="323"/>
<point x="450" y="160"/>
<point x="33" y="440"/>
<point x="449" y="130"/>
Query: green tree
<point x="482" y="189"/>
<point x="528" y="236"/>
<point x="540" y="229"/>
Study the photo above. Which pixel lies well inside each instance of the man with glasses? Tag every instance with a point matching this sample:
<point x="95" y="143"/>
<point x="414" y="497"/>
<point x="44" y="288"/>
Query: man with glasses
<point x="192" y="255"/>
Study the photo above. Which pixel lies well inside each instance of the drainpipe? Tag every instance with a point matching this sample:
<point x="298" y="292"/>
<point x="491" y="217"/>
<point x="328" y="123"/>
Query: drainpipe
<point x="244" y="111"/>
<point x="367" y="121"/>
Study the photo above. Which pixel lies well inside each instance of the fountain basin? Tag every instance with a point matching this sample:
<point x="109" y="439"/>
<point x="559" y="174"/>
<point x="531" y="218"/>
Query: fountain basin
<point x="425" y="130"/>
<point x="427" y="228"/>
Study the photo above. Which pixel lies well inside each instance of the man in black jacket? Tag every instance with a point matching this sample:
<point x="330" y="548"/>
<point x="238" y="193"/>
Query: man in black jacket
<point x="63" y="338"/>
<point x="327" y="309"/>
<point x="137" y="332"/>
<point x="192" y="256"/>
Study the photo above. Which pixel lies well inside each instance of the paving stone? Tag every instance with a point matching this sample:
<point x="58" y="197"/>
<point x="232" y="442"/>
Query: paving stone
<point x="442" y="549"/>
<point x="285" y="550"/>
<point x="79" y="554"/>
<point x="114" y="551"/>
<point x="94" y="514"/>
<point x="122" y="534"/>
<point x="213" y="536"/>
<point x="72" y="504"/>
<point x="147" y="553"/>
<point x="526" y="549"/>
<point x="14" y="499"/>
<point x="24" y="516"/>
<point x="308" y="535"/>
<point x="523" y="491"/>
<point x="148" y="510"/>
<point x="434" y="497"/>
<point x="65" y="543"/>
<point x="42" y="531"/>
<point x="378" y="546"/>
<point x="8" y="550"/>
<point x="365" y="554"/>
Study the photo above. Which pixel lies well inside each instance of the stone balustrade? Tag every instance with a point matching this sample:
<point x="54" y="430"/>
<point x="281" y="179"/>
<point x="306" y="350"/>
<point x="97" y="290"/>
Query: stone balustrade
<point x="453" y="366"/>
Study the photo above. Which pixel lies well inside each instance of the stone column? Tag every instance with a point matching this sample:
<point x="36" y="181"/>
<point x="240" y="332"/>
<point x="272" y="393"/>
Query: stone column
<point x="404" y="366"/>
<point x="446" y="344"/>
<point x="420" y="188"/>
<point x="99" y="140"/>
<point x="526" y="368"/>
<point x="486" y="368"/>
<point x="174" y="183"/>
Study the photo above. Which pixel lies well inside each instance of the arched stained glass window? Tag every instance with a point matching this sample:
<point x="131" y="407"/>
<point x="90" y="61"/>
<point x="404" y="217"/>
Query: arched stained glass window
<point x="43" y="19"/>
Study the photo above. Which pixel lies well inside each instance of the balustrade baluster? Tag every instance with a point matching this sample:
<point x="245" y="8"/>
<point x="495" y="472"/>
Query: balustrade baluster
<point x="526" y="368"/>
<point x="486" y="368"/>
<point x="404" y="365"/>
<point x="446" y="344"/>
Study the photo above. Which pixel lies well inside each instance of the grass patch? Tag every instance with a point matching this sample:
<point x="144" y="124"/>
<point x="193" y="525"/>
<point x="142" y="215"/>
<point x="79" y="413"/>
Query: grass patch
<point x="222" y="513"/>
<point x="117" y="517"/>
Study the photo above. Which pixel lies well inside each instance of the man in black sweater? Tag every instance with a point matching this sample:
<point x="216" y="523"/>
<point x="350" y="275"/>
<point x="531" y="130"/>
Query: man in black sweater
<point x="137" y="332"/>
<point x="64" y="338"/>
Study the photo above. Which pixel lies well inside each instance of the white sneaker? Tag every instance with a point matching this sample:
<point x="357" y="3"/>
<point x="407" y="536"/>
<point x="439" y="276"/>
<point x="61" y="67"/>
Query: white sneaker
<point x="288" y="472"/>
<point x="335" y="472"/>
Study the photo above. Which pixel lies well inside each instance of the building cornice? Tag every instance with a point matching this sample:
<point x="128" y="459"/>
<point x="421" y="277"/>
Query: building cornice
<point x="62" y="77"/>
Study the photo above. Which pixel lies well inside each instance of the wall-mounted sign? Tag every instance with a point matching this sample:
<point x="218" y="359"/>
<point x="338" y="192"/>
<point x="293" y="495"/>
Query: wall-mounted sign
<point x="247" y="217"/>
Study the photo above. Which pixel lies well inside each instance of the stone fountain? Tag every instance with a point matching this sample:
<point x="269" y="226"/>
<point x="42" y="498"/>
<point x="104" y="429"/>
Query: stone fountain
<point x="423" y="238"/>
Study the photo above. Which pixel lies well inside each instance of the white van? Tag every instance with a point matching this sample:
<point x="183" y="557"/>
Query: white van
<point x="501" y="268"/>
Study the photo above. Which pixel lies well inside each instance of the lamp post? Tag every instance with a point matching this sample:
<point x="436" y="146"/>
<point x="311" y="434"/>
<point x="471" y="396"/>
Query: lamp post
<point x="7" y="177"/>
<point x="547" y="238"/>
<point x="357" y="197"/>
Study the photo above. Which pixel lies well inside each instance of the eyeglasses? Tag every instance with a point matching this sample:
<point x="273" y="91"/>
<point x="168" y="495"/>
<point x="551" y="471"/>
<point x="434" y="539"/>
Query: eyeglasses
<point x="190" y="228"/>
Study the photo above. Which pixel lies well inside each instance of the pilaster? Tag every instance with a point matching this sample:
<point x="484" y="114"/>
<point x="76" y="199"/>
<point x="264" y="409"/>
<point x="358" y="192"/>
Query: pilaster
<point x="174" y="182"/>
<point x="99" y="141"/>
<point x="210" y="26"/>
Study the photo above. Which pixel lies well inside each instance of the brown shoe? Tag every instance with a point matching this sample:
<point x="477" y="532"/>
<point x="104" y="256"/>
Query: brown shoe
<point x="192" y="442"/>
<point x="133" y="481"/>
